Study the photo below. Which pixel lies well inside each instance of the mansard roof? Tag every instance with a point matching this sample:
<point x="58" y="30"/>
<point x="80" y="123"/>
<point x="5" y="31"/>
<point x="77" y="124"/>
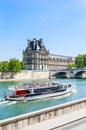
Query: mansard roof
<point x="36" y="45"/>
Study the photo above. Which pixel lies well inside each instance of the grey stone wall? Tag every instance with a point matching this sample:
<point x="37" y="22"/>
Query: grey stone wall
<point x="28" y="74"/>
<point x="22" y="121"/>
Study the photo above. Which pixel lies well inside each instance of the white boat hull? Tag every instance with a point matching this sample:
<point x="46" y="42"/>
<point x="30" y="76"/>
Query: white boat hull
<point x="38" y="97"/>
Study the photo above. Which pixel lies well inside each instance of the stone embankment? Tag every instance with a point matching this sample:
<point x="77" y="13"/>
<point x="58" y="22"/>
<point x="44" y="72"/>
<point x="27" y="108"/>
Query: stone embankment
<point x="27" y="75"/>
<point x="47" y="116"/>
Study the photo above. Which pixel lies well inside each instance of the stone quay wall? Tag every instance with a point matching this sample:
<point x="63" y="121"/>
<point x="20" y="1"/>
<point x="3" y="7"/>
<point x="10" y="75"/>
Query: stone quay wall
<point x="18" y="122"/>
<point x="33" y="74"/>
<point x="27" y="74"/>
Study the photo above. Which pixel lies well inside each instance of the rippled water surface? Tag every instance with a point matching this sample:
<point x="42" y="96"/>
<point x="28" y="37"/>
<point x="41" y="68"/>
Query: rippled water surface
<point x="13" y="108"/>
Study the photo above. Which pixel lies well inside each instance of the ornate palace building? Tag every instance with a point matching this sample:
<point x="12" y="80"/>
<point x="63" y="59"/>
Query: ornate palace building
<point x="37" y="57"/>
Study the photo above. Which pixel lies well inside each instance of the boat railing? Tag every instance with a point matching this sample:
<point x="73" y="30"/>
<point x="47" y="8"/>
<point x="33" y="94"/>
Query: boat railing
<point x="21" y="86"/>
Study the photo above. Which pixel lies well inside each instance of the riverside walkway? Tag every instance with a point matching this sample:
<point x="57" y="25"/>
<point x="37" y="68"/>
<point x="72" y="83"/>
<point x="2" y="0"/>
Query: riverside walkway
<point x="57" y="122"/>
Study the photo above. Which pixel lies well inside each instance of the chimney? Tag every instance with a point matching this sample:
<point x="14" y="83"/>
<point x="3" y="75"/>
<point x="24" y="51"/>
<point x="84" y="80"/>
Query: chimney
<point x="28" y="42"/>
<point x="34" y="43"/>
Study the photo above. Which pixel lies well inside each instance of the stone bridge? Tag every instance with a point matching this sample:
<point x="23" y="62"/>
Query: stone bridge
<point x="68" y="73"/>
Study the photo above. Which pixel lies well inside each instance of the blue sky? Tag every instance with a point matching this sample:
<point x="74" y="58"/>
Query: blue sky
<point x="61" y="24"/>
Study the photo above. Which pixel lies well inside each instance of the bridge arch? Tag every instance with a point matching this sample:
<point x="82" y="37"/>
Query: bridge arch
<point x="79" y="74"/>
<point x="61" y="75"/>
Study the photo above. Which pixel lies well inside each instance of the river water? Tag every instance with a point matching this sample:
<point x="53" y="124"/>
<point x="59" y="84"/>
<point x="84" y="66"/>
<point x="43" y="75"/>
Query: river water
<point x="14" y="108"/>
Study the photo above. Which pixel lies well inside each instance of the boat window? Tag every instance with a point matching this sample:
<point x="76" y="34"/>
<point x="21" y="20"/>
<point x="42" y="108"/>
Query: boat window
<point x="61" y="88"/>
<point x="41" y="90"/>
<point x="69" y="85"/>
<point x="27" y="91"/>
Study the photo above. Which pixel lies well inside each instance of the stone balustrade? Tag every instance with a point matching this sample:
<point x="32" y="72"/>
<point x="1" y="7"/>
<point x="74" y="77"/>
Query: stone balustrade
<point x="22" y="121"/>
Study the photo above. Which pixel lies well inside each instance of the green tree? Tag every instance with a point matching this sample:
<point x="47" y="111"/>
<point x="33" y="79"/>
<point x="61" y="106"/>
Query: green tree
<point x="0" y="66"/>
<point x="84" y="60"/>
<point x="14" y="66"/>
<point x="4" y="65"/>
<point x="22" y="65"/>
<point x="80" y="61"/>
<point x="71" y="65"/>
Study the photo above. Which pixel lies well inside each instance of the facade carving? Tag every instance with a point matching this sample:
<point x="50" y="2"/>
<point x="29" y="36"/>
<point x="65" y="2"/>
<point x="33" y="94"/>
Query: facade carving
<point x="37" y="57"/>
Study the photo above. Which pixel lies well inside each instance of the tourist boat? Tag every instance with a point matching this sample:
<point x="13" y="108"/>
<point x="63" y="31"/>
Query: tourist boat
<point x="36" y="91"/>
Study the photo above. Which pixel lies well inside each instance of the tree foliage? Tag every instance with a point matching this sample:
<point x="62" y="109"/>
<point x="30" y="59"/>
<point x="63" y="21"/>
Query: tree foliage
<point x="80" y="61"/>
<point x="4" y="67"/>
<point x="71" y="65"/>
<point x="14" y="66"/>
<point x="22" y="65"/>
